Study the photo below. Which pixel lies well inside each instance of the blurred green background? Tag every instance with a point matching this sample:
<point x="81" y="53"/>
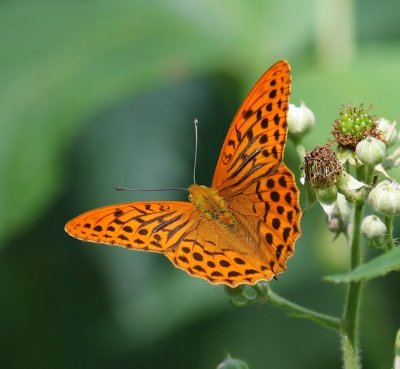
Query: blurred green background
<point x="95" y="94"/>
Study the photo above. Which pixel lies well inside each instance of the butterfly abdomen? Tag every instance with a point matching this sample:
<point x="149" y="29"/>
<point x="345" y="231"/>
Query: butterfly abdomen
<point x="212" y="205"/>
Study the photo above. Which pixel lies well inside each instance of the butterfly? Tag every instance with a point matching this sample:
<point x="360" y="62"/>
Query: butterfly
<point x="243" y="228"/>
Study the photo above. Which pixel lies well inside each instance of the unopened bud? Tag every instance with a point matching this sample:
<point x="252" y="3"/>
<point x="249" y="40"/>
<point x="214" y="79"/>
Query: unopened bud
<point x="371" y="151"/>
<point x="236" y="291"/>
<point x="327" y="195"/>
<point x="388" y="129"/>
<point x="373" y="228"/>
<point x="300" y="120"/>
<point x="385" y="198"/>
<point x="231" y="363"/>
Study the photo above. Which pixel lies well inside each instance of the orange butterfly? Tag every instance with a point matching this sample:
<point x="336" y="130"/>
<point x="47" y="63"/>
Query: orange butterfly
<point x="243" y="228"/>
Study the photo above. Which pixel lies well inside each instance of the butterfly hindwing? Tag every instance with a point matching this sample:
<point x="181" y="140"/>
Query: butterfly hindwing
<point x="203" y="253"/>
<point x="271" y="206"/>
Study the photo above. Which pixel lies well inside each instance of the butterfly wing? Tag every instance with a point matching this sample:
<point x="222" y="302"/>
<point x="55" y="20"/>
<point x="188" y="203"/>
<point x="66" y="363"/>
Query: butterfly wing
<point x="250" y="175"/>
<point x="270" y="205"/>
<point x="205" y="253"/>
<point x="153" y="226"/>
<point x="254" y="145"/>
<point x="188" y="239"/>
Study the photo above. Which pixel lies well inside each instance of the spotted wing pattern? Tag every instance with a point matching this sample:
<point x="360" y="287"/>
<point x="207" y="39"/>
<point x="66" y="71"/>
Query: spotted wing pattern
<point x="254" y="145"/>
<point x="271" y="206"/>
<point x="149" y="226"/>
<point x="189" y="240"/>
<point x="203" y="252"/>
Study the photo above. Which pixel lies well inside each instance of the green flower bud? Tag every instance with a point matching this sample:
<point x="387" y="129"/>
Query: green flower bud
<point x="388" y="129"/>
<point x="371" y="151"/>
<point x="300" y="120"/>
<point x="373" y="228"/>
<point x="236" y="291"/>
<point x="327" y="195"/>
<point x="385" y="198"/>
<point x="231" y="363"/>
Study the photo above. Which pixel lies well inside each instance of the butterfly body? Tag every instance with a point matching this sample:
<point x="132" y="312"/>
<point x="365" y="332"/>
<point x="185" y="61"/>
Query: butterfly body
<point x="243" y="228"/>
<point x="212" y="205"/>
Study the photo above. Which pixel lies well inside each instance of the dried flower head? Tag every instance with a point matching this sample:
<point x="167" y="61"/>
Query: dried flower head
<point x="321" y="167"/>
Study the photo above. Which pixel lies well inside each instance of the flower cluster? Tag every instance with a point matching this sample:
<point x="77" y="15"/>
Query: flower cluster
<point x="352" y="169"/>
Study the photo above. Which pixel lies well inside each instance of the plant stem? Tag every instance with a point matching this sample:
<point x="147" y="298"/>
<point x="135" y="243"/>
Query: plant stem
<point x="301" y="312"/>
<point x="351" y="311"/>
<point x="389" y="232"/>
<point x="369" y="175"/>
<point x="301" y="152"/>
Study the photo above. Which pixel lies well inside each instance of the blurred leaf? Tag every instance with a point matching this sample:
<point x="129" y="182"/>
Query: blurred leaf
<point x="377" y="267"/>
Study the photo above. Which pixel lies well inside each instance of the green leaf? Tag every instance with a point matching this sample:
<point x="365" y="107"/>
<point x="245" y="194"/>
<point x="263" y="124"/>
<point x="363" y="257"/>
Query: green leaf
<point x="377" y="267"/>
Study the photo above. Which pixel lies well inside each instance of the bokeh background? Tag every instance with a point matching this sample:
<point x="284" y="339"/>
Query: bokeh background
<point x="97" y="93"/>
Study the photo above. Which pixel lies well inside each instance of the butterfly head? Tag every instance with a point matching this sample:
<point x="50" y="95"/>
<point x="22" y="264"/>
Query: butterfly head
<point x="210" y="203"/>
<point x="198" y="195"/>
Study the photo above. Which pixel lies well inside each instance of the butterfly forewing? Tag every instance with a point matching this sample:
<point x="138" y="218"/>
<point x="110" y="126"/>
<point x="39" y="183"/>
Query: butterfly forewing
<point x="254" y="145"/>
<point x="153" y="226"/>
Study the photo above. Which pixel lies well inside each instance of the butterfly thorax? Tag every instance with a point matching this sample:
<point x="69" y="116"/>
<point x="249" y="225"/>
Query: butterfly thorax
<point x="212" y="205"/>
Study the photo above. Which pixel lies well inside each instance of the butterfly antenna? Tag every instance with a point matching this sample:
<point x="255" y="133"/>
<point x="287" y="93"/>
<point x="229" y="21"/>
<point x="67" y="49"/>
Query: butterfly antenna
<point x="196" y="125"/>
<point x="121" y="188"/>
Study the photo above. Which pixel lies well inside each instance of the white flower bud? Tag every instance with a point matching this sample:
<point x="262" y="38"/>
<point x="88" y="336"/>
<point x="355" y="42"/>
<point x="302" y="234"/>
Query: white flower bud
<point x="371" y="151"/>
<point x="373" y="228"/>
<point x="300" y="120"/>
<point x="385" y="198"/>
<point x="388" y="129"/>
<point x="232" y="363"/>
<point x="397" y="351"/>
<point x="339" y="219"/>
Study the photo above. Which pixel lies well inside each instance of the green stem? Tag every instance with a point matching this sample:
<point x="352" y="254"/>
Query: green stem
<point x="301" y="152"/>
<point x="301" y="312"/>
<point x="389" y="232"/>
<point x="369" y="175"/>
<point x="351" y="311"/>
